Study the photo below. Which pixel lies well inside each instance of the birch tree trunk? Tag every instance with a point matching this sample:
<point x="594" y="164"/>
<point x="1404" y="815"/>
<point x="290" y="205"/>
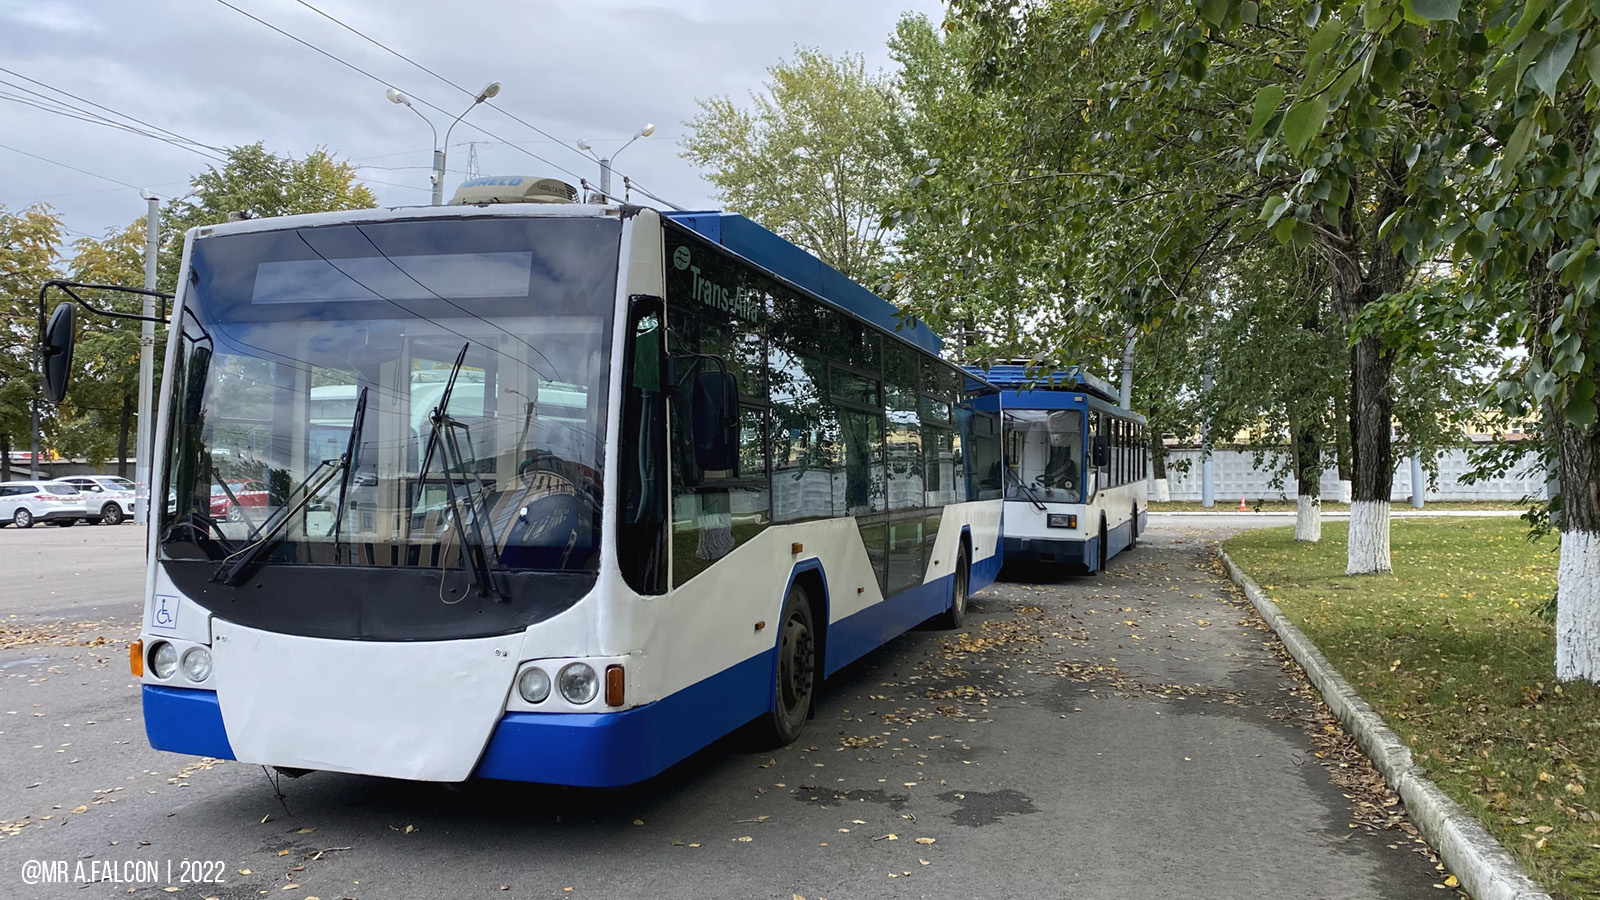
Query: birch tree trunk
<point x="1371" y="368"/>
<point x="1308" y="475"/>
<point x="1371" y="413"/>
<point x="1578" y="576"/>
<point x="1158" y="470"/>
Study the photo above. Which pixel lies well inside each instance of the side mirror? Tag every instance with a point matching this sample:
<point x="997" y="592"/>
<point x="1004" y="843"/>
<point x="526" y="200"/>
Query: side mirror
<point x="714" y="411"/>
<point x="57" y="351"/>
<point x="1101" y="455"/>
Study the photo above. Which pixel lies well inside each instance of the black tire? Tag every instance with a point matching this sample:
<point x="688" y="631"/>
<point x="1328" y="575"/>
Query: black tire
<point x="22" y="519"/>
<point x="956" y="615"/>
<point x="795" y="675"/>
<point x="111" y="514"/>
<point x="1103" y="553"/>
<point x="1133" y="526"/>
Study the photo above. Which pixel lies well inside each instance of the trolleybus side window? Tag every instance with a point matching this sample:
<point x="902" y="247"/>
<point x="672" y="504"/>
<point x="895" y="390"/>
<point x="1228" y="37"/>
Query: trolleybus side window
<point x="714" y="511"/>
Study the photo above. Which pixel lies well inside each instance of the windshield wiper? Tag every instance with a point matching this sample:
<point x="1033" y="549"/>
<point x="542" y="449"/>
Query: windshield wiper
<point x="272" y="530"/>
<point x="1027" y="490"/>
<point x="443" y="426"/>
<point x="350" y="451"/>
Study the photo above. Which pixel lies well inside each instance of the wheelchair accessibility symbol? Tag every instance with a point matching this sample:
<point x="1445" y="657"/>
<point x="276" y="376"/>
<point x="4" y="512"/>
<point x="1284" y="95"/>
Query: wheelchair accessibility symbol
<point x="166" y="613"/>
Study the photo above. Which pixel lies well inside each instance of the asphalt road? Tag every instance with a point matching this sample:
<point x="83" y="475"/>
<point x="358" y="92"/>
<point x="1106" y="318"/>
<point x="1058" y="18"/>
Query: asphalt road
<point x="1131" y="735"/>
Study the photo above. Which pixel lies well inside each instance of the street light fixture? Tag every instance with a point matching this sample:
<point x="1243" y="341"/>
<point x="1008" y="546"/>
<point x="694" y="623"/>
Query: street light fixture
<point x="605" y="163"/>
<point x="439" y="151"/>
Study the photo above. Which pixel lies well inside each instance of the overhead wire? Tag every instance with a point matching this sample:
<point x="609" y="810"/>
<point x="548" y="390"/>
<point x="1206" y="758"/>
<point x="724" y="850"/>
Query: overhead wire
<point x="504" y="112"/>
<point x="72" y="113"/>
<point x="108" y="109"/>
<point x="401" y="56"/>
<point x="73" y="168"/>
<point x="355" y="68"/>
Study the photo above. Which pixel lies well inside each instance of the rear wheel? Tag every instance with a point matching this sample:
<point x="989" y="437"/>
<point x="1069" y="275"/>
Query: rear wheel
<point x="22" y="519"/>
<point x="796" y="671"/>
<point x="957" y="613"/>
<point x="1133" y="525"/>
<point x="111" y="514"/>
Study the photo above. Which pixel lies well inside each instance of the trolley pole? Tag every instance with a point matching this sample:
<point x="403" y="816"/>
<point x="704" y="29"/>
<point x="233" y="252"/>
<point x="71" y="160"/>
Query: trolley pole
<point x="144" y="449"/>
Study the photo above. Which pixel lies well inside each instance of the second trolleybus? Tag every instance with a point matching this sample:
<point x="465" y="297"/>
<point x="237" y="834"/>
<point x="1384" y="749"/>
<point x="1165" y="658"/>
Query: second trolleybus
<point x="1074" y="466"/>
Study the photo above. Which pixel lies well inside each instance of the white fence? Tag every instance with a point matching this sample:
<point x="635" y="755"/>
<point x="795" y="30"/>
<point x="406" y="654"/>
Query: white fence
<point x="1233" y="474"/>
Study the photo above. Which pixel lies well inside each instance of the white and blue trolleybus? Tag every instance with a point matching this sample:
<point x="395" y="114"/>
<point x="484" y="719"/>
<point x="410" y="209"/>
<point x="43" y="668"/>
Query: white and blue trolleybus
<point x="1075" y="469"/>
<point x="555" y="492"/>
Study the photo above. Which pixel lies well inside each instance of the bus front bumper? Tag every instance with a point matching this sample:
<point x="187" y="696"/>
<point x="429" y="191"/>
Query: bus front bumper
<point x="1075" y="551"/>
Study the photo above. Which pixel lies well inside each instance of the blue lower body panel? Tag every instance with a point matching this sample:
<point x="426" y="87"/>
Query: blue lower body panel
<point x="853" y="637"/>
<point x="614" y="749"/>
<point x="184" y="720"/>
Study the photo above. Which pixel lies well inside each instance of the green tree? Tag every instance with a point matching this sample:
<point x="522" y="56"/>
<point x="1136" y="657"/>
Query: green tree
<point x="258" y="184"/>
<point x="1122" y="163"/>
<point x="817" y="157"/>
<point x="1510" y="93"/>
<point x="30" y="252"/>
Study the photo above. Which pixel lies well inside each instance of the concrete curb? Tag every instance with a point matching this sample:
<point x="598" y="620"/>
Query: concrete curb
<point x="1486" y="870"/>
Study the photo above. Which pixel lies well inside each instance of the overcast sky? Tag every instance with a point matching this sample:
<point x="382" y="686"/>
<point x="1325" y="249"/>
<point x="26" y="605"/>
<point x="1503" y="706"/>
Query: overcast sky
<point x="596" y="69"/>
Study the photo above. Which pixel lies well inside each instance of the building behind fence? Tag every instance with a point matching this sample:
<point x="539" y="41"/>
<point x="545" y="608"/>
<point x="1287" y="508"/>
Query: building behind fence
<point x="1234" y="474"/>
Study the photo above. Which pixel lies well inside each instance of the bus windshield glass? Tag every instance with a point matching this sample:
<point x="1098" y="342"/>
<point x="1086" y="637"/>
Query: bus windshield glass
<point x="1044" y="455"/>
<point x="309" y="390"/>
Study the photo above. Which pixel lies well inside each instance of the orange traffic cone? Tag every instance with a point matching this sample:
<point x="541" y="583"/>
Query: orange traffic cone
<point x="1242" y="507"/>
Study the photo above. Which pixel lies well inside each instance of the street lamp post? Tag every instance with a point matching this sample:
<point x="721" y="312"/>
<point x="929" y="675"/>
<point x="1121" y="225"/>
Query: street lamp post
<point x="440" y="150"/>
<point x="605" y="162"/>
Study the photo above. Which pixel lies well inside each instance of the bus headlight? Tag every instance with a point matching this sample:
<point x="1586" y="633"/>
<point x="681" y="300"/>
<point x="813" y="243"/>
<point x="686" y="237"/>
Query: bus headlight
<point x="163" y="659"/>
<point x="197" y="664"/>
<point x="533" y="684"/>
<point x="578" y="683"/>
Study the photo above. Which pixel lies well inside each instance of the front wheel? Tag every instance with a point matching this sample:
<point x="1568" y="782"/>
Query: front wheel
<point x="22" y="519"/>
<point x="111" y="514"/>
<point x="1103" y="541"/>
<point x="796" y="672"/>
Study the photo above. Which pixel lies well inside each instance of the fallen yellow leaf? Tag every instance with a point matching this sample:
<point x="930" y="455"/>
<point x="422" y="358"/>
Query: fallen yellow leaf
<point x="924" y="840"/>
<point x="744" y="840"/>
<point x="1452" y="881"/>
<point x="81" y="809"/>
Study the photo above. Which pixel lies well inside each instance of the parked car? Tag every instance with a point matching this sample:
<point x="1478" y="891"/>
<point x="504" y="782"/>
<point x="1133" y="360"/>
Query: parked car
<point x="252" y="496"/>
<point x="24" y="502"/>
<point x="108" y="498"/>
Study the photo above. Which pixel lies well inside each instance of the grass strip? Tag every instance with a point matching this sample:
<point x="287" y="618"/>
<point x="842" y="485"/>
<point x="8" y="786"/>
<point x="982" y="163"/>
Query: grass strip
<point x="1447" y="651"/>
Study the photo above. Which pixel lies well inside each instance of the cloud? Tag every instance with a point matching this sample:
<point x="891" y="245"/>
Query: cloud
<point x="62" y="18"/>
<point x="596" y="69"/>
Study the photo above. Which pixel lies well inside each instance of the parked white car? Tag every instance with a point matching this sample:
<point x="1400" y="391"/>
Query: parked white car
<point x="108" y="498"/>
<point x="23" y="503"/>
